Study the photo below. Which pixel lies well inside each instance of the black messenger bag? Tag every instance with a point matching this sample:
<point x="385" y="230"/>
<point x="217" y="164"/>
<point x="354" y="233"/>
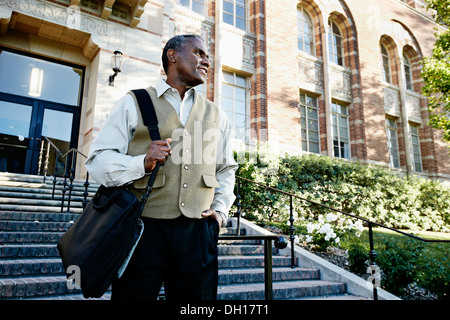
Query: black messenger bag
<point x="101" y="241"/>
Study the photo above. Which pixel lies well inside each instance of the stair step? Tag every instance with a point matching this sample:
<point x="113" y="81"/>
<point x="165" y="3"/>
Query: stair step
<point x="234" y="276"/>
<point x="31" y="208"/>
<point x="244" y="250"/>
<point x="38" y="216"/>
<point x="29" y="267"/>
<point x="236" y="262"/>
<point x="17" y="288"/>
<point x="29" y="237"/>
<point x="36" y="202"/>
<point x="281" y="290"/>
<point x="30" y="226"/>
<point x="11" y="251"/>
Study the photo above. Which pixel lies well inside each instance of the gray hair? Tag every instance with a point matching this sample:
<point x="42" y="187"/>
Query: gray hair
<point x="176" y="43"/>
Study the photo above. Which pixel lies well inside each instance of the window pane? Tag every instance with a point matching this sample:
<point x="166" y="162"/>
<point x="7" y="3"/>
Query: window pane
<point x="241" y="81"/>
<point x="227" y="104"/>
<point x="240" y="23"/>
<point x="227" y="18"/>
<point x="239" y="120"/>
<point x="57" y="125"/>
<point x="239" y="107"/>
<point x="314" y="147"/>
<point x="227" y="91"/>
<point x="15" y="119"/>
<point x="228" y="77"/>
<point x="27" y="76"/>
<point x="240" y="94"/>
<point x="228" y="7"/>
<point x="198" y="7"/>
<point x="312" y="113"/>
<point x="240" y="12"/>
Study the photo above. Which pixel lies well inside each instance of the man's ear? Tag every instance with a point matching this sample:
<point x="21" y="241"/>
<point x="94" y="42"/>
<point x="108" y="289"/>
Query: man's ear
<point x="171" y="55"/>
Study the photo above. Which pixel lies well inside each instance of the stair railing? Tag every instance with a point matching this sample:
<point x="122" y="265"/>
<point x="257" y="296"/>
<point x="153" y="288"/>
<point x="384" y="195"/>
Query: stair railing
<point x="372" y="254"/>
<point x="70" y="158"/>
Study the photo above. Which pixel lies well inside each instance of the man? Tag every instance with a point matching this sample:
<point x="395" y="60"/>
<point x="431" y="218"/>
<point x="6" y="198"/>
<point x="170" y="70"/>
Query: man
<point x="193" y="190"/>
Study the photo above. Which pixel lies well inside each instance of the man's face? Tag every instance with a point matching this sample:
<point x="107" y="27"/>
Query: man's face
<point x="192" y="62"/>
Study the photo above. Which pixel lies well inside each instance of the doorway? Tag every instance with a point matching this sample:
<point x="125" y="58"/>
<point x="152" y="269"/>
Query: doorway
<point x="39" y="112"/>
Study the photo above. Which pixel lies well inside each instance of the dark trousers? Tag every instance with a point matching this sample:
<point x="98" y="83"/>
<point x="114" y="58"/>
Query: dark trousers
<point x="181" y="253"/>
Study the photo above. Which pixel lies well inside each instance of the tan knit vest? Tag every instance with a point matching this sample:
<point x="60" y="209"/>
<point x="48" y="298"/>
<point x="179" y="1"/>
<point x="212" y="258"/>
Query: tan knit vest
<point x="186" y="183"/>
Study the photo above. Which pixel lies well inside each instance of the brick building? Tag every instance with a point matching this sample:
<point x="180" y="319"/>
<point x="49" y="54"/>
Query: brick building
<point x="332" y="77"/>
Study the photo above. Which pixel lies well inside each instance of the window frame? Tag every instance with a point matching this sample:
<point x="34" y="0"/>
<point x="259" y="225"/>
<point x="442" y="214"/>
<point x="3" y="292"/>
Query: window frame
<point x="235" y="86"/>
<point x="191" y="7"/>
<point x="385" y="64"/>
<point x="415" y="148"/>
<point x="407" y="72"/>
<point x="335" y="50"/>
<point x="394" y="151"/>
<point x="236" y="5"/>
<point x="342" y="149"/>
<point x="305" y="139"/>
<point x="301" y="38"/>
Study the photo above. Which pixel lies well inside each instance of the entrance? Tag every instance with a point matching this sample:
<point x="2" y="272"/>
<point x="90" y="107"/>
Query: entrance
<point x="39" y="113"/>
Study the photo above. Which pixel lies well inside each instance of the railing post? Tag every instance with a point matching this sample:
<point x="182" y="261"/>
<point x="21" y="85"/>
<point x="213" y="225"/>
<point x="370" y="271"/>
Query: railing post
<point x="64" y="189"/>
<point x="239" y="206"/>
<point x="291" y="231"/>
<point x="373" y="266"/>
<point x="86" y="193"/>
<point x="55" y="173"/>
<point x="72" y="177"/>
<point x="268" y="269"/>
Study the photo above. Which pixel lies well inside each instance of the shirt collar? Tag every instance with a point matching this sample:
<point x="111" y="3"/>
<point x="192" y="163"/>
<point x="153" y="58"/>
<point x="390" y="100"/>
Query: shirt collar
<point x="162" y="86"/>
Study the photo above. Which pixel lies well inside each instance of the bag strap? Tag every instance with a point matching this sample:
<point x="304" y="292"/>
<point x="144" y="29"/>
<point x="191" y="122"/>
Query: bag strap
<point x="151" y="122"/>
<point x="148" y="112"/>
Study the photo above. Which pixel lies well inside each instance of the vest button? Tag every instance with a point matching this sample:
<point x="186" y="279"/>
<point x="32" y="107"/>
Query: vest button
<point x="186" y="133"/>
<point x="182" y="204"/>
<point x="186" y="167"/>
<point x="185" y="185"/>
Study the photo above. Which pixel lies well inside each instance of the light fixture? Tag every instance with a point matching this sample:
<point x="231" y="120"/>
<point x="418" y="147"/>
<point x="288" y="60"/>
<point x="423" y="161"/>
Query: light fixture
<point x="116" y="65"/>
<point x="37" y="75"/>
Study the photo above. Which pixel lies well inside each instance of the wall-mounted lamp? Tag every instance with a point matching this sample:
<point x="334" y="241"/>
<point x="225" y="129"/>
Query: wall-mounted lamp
<point x="116" y="65"/>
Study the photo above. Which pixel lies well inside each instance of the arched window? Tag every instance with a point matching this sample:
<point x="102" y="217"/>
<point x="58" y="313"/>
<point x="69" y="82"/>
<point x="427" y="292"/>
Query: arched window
<point x="335" y="44"/>
<point x="385" y="64"/>
<point x="408" y="72"/>
<point x="305" y="34"/>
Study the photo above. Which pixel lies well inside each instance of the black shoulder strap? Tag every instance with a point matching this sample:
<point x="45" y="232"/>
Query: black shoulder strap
<point x="151" y="121"/>
<point x="148" y="112"/>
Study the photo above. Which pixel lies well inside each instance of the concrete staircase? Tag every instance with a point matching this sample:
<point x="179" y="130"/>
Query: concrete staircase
<point x="30" y="268"/>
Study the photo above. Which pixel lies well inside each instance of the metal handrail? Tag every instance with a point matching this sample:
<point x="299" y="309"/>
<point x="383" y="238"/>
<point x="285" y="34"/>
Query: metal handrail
<point x="69" y="166"/>
<point x="372" y="253"/>
<point x="280" y="243"/>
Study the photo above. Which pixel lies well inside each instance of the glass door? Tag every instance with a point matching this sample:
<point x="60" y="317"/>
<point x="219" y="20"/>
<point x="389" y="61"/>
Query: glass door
<point x="15" y="136"/>
<point x="39" y="112"/>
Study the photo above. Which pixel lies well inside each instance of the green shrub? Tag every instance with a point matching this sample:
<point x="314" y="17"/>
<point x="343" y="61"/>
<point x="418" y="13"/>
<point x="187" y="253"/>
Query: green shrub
<point x="367" y="191"/>
<point x="357" y="259"/>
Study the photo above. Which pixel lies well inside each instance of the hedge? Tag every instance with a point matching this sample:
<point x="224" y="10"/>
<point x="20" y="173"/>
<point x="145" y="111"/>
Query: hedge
<point x="368" y="191"/>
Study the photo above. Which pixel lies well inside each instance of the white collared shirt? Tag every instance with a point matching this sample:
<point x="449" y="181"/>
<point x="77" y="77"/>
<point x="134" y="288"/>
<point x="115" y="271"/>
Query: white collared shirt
<point x="109" y="164"/>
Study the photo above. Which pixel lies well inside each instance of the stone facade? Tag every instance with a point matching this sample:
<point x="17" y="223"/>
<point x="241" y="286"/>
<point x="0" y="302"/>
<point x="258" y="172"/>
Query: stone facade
<point x="266" y="52"/>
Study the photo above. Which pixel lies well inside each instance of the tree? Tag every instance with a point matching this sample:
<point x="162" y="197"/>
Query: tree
<point x="436" y="70"/>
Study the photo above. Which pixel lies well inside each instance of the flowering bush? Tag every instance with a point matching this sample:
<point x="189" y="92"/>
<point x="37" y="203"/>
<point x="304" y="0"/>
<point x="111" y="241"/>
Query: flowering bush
<point x="328" y="230"/>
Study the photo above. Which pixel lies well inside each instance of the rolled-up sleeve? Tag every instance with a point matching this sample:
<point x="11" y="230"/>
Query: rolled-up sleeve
<point x="225" y="168"/>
